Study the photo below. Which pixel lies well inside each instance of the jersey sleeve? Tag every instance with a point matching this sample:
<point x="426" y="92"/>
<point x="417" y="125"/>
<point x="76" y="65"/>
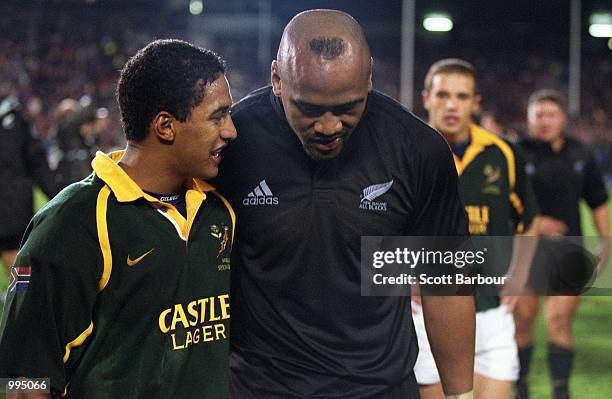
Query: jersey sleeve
<point x="594" y="189"/>
<point x="524" y="202"/>
<point x="51" y="294"/>
<point x="440" y="209"/>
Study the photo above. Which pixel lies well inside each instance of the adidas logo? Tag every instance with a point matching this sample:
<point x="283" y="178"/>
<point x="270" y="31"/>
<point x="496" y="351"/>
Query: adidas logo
<point x="261" y="195"/>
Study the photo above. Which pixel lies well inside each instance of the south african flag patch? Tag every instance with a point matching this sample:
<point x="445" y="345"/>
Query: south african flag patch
<point x="19" y="278"/>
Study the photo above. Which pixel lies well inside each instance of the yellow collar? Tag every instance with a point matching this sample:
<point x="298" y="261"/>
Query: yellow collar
<point x="480" y="139"/>
<point x="124" y="188"/>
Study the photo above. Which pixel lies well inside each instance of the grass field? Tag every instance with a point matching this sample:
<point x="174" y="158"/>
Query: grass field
<point x="592" y="377"/>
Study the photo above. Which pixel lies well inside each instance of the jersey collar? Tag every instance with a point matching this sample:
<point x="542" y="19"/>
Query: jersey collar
<point x="124" y="188"/>
<point x="480" y="139"/>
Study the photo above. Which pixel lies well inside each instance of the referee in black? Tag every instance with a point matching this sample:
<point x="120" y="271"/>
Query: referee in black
<point x="321" y="160"/>
<point x="563" y="172"/>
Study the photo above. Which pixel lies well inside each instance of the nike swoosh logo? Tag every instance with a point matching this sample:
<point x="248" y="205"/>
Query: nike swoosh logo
<point x="133" y="262"/>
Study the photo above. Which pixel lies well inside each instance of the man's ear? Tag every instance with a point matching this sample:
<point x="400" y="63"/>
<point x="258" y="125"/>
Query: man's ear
<point x="164" y="126"/>
<point x="476" y="107"/>
<point x="425" y="98"/>
<point x="370" y="86"/>
<point x="275" y="79"/>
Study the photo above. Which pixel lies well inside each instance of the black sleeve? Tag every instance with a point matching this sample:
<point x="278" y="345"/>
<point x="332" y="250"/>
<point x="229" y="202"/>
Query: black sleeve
<point x="440" y="209"/>
<point x="593" y="189"/>
<point x="35" y="156"/>
<point x="48" y="313"/>
<point x="527" y="207"/>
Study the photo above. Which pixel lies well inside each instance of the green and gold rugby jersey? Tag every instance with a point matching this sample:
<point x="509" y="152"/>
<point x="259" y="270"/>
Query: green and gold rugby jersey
<point x="115" y="294"/>
<point x="496" y="192"/>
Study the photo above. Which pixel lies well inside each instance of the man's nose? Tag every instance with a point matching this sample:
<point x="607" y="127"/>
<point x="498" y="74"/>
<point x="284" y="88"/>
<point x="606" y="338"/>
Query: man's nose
<point x="228" y="131"/>
<point x="451" y="103"/>
<point x="328" y="124"/>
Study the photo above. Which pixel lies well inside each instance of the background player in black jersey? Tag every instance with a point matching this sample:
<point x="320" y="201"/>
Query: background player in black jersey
<point x="23" y="163"/>
<point x="309" y="147"/>
<point x="563" y="171"/>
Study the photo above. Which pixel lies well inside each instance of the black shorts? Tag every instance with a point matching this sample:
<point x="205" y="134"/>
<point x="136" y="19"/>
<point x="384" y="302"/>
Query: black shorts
<point x="562" y="267"/>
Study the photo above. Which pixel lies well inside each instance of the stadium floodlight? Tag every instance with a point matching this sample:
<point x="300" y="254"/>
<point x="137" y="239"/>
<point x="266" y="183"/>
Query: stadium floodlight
<point x="196" y="7"/>
<point x="600" y="25"/>
<point x="437" y="23"/>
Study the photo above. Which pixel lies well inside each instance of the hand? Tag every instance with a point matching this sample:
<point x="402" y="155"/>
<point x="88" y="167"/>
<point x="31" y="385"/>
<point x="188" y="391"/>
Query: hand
<point x="514" y="285"/>
<point x="467" y="395"/>
<point x="510" y="302"/>
<point x="550" y="226"/>
<point x="417" y="300"/>
<point x="602" y="255"/>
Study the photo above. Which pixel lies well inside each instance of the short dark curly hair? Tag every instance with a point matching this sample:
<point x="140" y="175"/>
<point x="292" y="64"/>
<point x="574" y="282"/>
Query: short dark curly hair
<point x="166" y="75"/>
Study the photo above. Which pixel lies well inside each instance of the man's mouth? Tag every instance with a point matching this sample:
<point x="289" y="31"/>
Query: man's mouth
<point x="327" y="143"/>
<point x="216" y="154"/>
<point x="451" y="120"/>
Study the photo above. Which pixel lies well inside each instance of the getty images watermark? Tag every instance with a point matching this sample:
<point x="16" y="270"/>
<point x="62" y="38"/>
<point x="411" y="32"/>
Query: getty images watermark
<point x="428" y="258"/>
<point x="390" y="266"/>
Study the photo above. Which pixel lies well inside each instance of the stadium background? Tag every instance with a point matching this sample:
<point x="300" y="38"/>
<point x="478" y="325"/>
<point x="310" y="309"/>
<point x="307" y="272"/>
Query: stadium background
<point x="51" y="50"/>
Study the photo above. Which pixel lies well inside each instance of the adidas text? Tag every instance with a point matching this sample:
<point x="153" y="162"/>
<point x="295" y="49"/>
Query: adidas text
<point x="260" y="201"/>
<point x="261" y="195"/>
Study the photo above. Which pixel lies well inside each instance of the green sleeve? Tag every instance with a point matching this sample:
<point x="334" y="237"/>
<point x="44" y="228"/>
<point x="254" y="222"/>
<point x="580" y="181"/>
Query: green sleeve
<point x="51" y="310"/>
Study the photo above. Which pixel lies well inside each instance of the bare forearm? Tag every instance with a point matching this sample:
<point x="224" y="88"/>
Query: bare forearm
<point x="524" y="248"/>
<point x="600" y="218"/>
<point x="450" y="325"/>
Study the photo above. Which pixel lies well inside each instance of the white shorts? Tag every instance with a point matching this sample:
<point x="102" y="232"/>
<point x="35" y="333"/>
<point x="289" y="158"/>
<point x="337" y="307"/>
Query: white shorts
<point x="496" y="350"/>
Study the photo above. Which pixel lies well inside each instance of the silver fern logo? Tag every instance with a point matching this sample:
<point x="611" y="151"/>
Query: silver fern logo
<point x="370" y="193"/>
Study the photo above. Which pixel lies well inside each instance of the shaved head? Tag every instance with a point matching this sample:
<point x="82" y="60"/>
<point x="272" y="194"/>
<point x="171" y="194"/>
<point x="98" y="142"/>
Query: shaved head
<point x="319" y="36"/>
<point x="322" y="74"/>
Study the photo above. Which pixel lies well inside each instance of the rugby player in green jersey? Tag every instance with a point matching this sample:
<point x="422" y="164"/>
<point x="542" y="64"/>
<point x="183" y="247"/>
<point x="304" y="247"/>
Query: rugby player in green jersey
<point x="121" y="288"/>
<point x="497" y="197"/>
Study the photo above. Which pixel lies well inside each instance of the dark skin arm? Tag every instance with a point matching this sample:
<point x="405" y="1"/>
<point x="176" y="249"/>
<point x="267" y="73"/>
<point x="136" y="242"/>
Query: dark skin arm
<point x="450" y="322"/>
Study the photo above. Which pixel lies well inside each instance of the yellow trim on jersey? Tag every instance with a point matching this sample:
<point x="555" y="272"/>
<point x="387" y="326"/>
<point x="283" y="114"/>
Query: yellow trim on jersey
<point x="472" y="151"/>
<point x="481" y="139"/>
<point x="122" y="185"/>
<point x="517" y="203"/>
<point x="78" y="341"/>
<point x="193" y="201"/>
<point x="101" y="225"/>
<point x="126" y="190"/>
<point x="231" y="211"/>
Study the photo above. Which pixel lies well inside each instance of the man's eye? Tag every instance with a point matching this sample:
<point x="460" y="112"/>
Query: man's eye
<point x="344" y="111"/>
<point x="310" y="112"/>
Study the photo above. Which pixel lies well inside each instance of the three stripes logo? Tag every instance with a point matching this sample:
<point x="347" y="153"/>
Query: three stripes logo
<point x="372" y="192"/>
<point x="19" y="278"/>
<point x="261" y="195"/>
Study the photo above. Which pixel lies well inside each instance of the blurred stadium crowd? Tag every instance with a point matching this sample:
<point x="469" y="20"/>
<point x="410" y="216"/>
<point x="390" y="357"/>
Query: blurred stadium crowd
<point x="62" y="63"/>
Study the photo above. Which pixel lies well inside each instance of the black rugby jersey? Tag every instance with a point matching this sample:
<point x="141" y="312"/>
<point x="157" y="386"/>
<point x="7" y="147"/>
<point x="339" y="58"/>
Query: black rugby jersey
<point x="561" y="179"/>
<point x="300" y="327"/>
